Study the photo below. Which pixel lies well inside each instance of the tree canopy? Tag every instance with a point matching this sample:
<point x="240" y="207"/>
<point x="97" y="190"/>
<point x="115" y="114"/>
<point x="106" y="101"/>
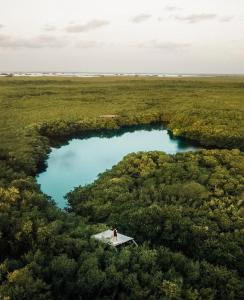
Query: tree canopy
<point x="185" y="210"/>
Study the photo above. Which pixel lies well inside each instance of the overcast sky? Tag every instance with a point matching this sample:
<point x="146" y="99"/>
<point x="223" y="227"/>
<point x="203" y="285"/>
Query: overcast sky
<point x="168" y="36"/>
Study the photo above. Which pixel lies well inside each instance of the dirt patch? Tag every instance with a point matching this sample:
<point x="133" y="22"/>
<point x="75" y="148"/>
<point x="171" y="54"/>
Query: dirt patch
<point x="109" y="116"/>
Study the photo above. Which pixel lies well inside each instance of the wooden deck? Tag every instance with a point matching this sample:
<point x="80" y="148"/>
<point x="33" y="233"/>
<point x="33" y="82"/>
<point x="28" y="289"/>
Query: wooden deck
<point x="107" y="237"/>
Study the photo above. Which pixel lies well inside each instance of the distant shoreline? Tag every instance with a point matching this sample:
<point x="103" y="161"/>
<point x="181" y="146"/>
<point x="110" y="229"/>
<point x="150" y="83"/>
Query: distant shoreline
<point x="95" y="74"/>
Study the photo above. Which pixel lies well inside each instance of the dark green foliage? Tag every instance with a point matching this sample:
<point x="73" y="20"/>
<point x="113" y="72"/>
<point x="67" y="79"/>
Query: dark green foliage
<point x="185" y="211"/>
<point x="48" y="254"/>
<point x="191" y="202"/>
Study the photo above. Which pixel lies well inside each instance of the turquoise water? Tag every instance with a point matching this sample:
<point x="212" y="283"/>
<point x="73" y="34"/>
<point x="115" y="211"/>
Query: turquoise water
<point x="81" y="160"/>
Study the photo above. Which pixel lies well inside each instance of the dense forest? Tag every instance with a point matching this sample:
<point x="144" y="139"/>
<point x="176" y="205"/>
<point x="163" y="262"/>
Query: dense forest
<point x="186" y="211"/>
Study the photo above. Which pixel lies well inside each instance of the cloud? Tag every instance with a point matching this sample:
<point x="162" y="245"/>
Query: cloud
<point x="226" y="19"/>
<point x="49" y="28"/>
<point x="171" y="8"/>
<point x="141" y="18"/>
<point x="89" y="44"/>
<point x="41" y="41"/>
<point x="195" y="18"/>
<point x="92" y="25"/>
<point x="164" y="45"/>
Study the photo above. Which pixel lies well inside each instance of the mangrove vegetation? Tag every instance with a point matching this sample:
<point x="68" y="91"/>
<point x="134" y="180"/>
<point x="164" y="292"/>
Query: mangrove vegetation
<point x="186" y="211"/>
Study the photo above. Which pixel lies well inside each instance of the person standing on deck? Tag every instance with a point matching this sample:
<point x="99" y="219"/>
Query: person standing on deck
<point x="115" y="235"/>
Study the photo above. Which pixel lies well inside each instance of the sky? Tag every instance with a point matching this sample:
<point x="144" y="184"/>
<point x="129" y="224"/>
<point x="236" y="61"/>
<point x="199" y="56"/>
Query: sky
<point x="156" y="36"/>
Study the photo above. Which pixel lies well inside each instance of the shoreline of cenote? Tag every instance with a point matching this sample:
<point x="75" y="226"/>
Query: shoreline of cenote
<point x="80" y="160"/>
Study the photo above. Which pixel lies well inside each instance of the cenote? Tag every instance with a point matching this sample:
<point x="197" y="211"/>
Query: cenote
<point x="79" y="161"/>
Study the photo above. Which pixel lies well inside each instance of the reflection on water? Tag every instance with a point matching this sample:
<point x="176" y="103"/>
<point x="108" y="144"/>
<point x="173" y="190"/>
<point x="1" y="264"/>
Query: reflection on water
<point x="81" y="160"/>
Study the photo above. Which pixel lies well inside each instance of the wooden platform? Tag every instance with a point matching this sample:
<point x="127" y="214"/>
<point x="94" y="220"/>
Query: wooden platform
<point x="107" y="237"/>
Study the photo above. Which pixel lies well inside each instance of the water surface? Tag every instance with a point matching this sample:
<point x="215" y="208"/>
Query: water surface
<point x="81" y="160"/>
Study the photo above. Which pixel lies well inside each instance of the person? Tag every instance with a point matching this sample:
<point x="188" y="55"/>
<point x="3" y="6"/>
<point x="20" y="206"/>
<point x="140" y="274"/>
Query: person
<point x="115" y="235"/>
